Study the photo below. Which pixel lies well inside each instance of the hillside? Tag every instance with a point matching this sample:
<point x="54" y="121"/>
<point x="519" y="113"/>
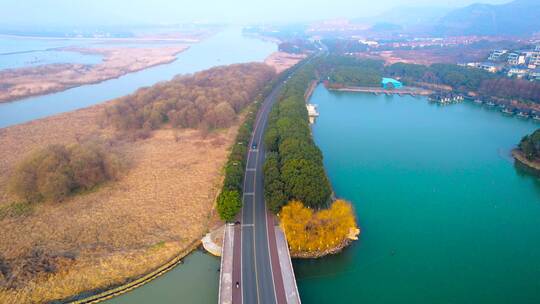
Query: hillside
<point x="520" y="17"/>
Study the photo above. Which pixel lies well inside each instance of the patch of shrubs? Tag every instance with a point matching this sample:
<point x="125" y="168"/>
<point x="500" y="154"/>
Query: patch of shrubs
<point x="58" y="171"/>
<point x="206" y="100"/>
<point x="36" y="262"/>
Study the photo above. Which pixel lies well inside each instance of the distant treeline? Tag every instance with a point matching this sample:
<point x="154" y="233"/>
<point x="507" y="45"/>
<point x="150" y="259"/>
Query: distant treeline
<point x="342" y="46"/>
<point x="340" y="71"/>
<point x="294" y="169"/>
<point x="465" y="80"/>
<point x="297" y="46"/>
<point x="209" y="99"/>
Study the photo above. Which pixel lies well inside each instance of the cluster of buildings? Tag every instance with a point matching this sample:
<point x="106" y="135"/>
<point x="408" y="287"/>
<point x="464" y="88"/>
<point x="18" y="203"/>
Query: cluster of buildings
<point x="520" y="64"/>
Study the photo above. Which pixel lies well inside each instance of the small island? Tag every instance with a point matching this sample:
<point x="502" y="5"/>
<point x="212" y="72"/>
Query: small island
<point x="25" y="82"/>
<point x="528" y="151"/>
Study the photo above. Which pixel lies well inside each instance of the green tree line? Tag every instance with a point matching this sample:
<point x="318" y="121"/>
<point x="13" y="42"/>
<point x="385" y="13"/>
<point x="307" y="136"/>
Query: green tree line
<point x="340" y="70"/>
<point x="293" y="169"/>
<point x="466" y="79"/>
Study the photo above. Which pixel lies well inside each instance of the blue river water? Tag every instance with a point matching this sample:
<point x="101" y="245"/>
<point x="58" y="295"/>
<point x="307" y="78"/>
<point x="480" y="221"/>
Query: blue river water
<point x="226" y="47"/>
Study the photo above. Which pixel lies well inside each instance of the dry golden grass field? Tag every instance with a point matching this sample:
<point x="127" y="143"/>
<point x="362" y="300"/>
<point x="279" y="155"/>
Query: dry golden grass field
<point x="162" y="203"/>
<point x="121" y="230"/>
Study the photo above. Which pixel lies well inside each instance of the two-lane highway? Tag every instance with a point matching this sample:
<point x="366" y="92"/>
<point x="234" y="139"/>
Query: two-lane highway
<point x="256" y="275"/>
<point x="258" y="272"/>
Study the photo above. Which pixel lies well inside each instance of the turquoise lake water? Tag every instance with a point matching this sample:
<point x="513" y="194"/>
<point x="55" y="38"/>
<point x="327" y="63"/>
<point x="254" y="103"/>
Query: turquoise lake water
<point x="446" y="216"/>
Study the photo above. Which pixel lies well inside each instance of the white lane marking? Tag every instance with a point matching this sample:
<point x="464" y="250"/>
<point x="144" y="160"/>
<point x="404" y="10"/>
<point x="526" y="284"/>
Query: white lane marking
<point x="249" y="193"/>
<point x="257" y="120"/>
<point x="267" y="236"/>
<point x="248" y="225"/>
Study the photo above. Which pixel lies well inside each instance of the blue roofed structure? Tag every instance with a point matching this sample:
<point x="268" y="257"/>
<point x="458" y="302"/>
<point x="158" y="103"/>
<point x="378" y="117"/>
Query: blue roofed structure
<point x="386" y="81"/>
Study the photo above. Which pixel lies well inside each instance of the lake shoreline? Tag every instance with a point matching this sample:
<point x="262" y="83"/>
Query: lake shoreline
<point x="520" y="158"/>
<point x="103" y="294"/>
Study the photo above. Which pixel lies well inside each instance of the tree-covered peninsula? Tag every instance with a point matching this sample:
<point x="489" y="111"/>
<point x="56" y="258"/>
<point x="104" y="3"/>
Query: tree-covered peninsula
<point x="528" y="151"/>
<point x="295" y="182"/>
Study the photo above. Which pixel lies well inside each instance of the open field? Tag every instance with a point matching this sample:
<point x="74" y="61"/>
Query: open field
<point x="30" y="81"/>
<point x="428" y="56"/>
<point x="121" y="230"/>
<point x="281" y="61"/>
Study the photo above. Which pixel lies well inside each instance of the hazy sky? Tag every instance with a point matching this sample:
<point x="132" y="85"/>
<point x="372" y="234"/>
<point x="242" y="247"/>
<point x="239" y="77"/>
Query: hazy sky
<point x="84" y="12"/>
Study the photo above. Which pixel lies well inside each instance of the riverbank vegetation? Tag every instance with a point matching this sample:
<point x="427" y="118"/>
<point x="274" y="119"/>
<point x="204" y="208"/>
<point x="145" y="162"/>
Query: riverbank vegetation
<point x="206" y="100"/>
<point x="122" y="229"/>
<point x="316" y="233"/>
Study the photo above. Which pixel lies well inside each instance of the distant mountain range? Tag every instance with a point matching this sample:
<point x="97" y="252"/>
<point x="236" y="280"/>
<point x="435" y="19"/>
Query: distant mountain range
<point x="520" y="17"/>
<point x="410" y="16"/>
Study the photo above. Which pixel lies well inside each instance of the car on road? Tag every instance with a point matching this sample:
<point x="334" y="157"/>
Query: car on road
<point x="254" y="146"/>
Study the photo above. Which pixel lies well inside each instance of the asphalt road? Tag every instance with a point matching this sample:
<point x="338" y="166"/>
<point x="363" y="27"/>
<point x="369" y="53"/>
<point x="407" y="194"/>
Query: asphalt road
<point x="258" y="250"/>
<point x="257" y="282"/>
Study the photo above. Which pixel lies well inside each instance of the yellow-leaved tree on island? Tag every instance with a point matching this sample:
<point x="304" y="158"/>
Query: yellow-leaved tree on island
<point x="309" y="231"/>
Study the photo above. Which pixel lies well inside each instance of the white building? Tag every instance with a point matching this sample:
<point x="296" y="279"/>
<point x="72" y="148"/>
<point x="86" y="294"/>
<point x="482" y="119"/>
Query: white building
<point x="490" y="67"/>
<point x="312" y="112"/>
<point x="516" y="58"/>
<point x="369" y="42"/>
<point x="518" y="71"/>
<point x="497" y="55"/>
<point x="535" y="58"/>
<point x="535" y="74"/>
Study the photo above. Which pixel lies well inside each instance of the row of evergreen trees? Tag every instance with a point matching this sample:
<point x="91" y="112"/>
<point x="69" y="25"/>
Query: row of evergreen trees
<point x="293" y="169"/>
